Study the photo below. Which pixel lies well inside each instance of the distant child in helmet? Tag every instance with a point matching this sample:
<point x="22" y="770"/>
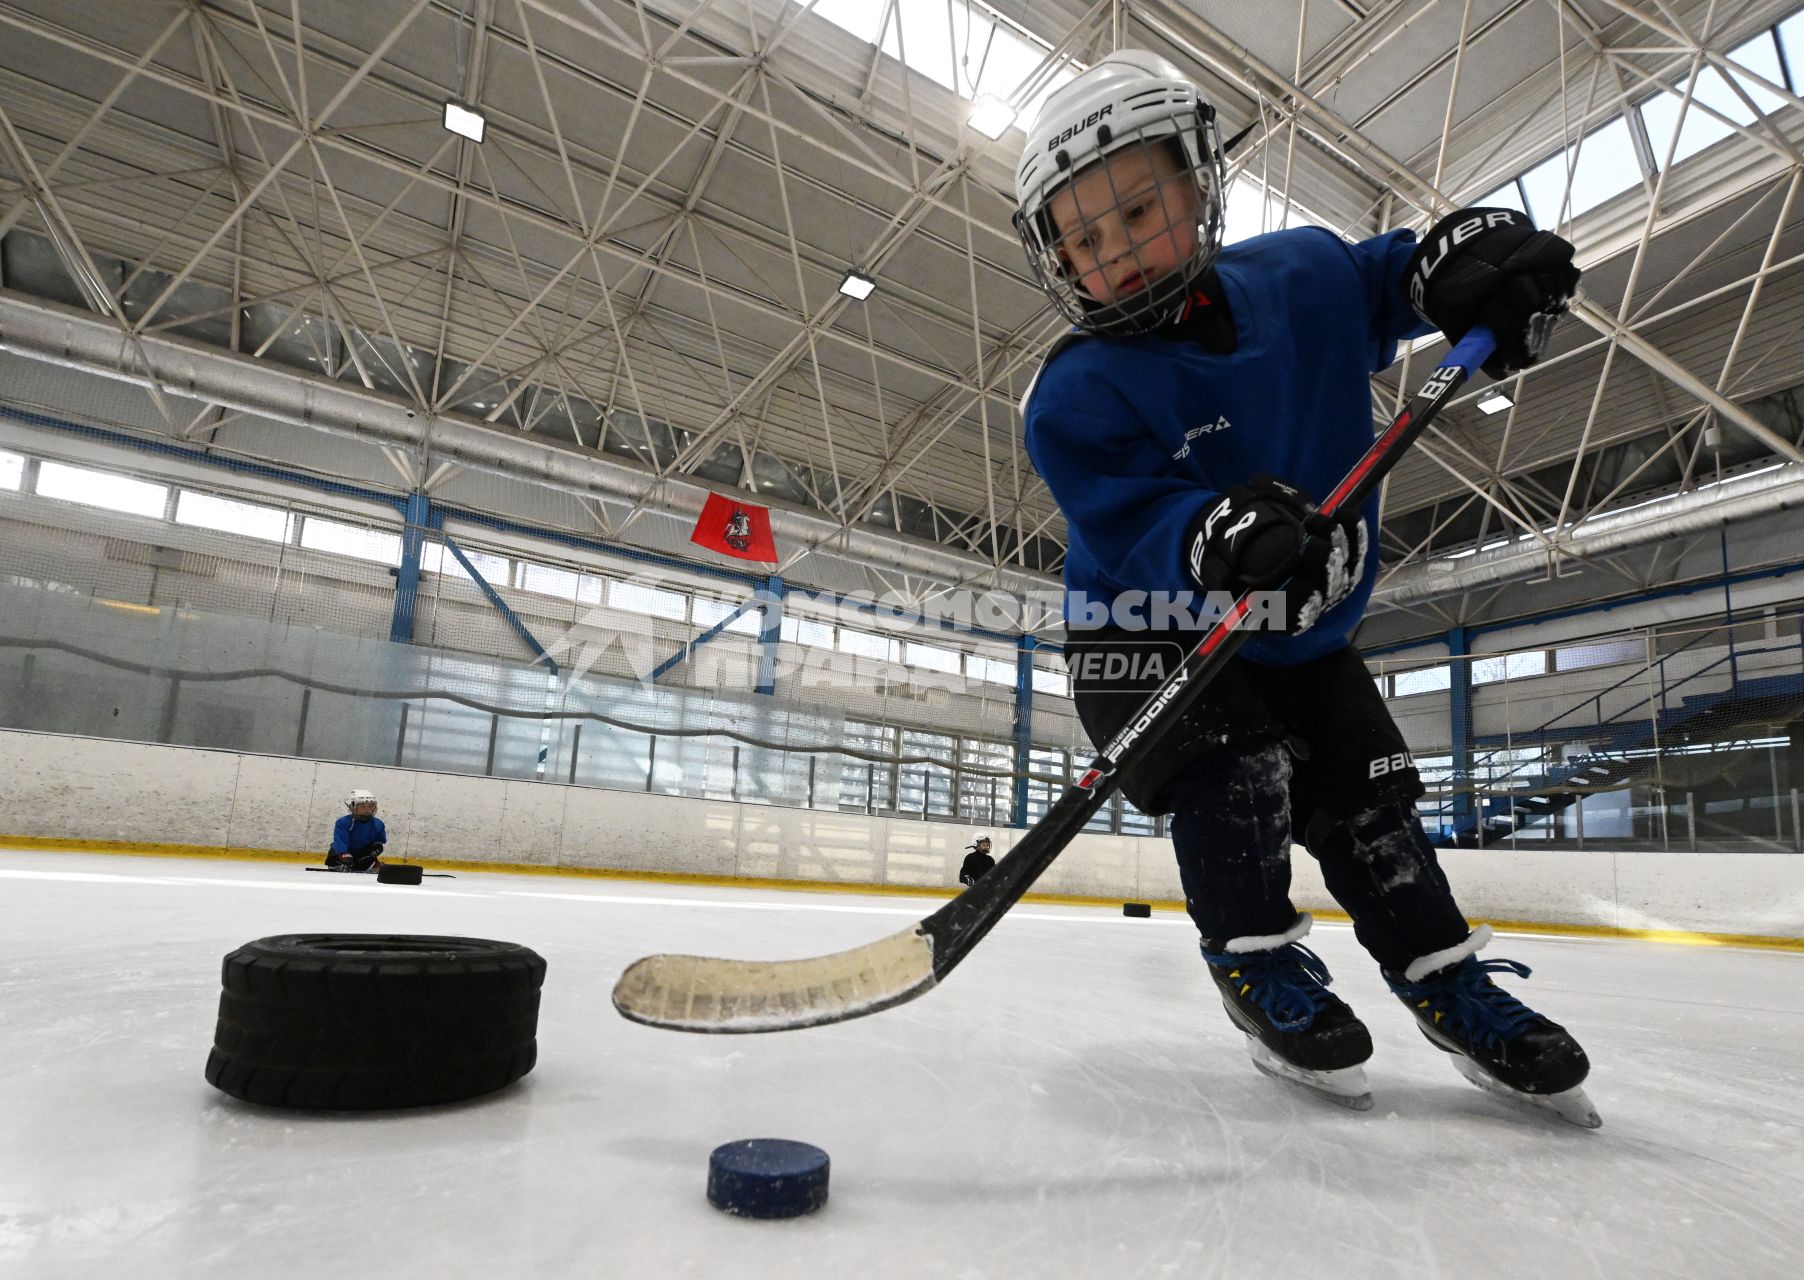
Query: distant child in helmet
<point x="978" y="861"/>
<point x="358" y="837"/>
<point x="1202" y="396"/>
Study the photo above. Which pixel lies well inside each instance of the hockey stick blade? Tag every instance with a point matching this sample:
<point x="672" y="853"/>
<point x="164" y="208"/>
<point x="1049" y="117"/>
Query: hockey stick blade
<point x="695" y="993"/>
<point x="719" y="996"/>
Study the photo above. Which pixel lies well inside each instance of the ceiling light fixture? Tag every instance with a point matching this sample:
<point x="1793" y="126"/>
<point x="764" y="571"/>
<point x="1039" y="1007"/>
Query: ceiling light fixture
<point x="1496" y="402"/>
<point x="466" y="122"/>
<point x="857" y="286"/>
<point x="991" y="116"/>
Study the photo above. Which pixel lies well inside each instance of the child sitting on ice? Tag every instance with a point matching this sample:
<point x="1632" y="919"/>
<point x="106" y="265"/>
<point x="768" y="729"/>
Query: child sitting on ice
<point x="357" y="837"/>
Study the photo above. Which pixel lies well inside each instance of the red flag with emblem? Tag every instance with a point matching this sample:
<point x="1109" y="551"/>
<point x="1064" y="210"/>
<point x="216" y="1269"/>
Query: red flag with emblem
<point x="737" y="529"/>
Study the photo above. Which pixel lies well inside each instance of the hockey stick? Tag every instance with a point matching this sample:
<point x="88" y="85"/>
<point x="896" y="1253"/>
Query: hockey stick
<point x="696" y="993"/>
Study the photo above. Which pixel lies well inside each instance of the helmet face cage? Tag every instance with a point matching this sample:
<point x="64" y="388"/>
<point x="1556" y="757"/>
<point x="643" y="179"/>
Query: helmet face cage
<point x="1200" y="175"/>
<point x="361" y="797"/>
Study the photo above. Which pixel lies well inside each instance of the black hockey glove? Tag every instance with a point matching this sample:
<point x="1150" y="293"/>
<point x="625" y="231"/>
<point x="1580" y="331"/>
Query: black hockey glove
<point x="1259" y="535"/>
<point x="1491" y="267"/>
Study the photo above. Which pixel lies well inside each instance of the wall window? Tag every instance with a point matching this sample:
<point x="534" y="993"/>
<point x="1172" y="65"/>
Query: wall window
<point x="102" y="489"/>
<point x="932" y="657"/>
<point x="864" y="784"/>
<point x="12" y="470"/>
<point x="1053" y="682"/>
<point x="247" y="519"/>
<point x="986" y="798"/>
<point x="351" y="540"/>
<point x="636" y="597"/>
<point x="1421" y="680"/>
<point x="867" y="644"/>
<point x="708" y="613"/>
<point x="1509" y="666"/>
<point x="803" y="631"/>
<point x="1135" y="823"/>
<point x="989" y="670"/>
<point x="1577" y="657"/>
<point x="546" y="580"/>
<point x="434" y="558"/>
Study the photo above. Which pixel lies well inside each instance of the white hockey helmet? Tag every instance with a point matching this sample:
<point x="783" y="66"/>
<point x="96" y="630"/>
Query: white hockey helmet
<point x="361" y="797"/>
<point x="1129" y="98"/>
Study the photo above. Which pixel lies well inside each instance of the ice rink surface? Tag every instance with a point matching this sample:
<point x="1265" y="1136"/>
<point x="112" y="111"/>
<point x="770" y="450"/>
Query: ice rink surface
<point x="1072" y="1103"/>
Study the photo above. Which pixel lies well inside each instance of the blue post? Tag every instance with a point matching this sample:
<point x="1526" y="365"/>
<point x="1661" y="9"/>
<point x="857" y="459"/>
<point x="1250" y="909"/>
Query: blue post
<point x="770" y="635"/>
<point x="1024" y="725"/>
<point x="417" y="511"/>
<point x="1459" y="715"/>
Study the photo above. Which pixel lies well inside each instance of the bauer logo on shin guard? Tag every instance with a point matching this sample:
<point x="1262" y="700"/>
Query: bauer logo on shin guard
<point x="1390" y="764"/>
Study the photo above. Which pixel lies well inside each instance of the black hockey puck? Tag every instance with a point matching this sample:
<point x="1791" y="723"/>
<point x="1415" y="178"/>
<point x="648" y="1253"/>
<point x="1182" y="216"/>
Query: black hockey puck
<point x="399" y="873"/>
<point x="767" y="1178"/>
<point x="1140" y="910"/>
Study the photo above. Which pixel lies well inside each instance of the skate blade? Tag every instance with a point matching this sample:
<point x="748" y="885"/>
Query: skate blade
<point x="1573" y="1106"/>
<point x="1346" y="1087"/>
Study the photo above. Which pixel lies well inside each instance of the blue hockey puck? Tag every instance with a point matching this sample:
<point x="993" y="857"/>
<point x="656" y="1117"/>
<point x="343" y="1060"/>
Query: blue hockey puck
<point x="767" y="1178"/>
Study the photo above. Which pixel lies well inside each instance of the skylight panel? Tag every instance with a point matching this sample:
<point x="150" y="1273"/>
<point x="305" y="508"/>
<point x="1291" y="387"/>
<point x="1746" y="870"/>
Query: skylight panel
<point x="1661" y="112"/>
<point x="1606" y="166"/>
<point x="960" y="47"/>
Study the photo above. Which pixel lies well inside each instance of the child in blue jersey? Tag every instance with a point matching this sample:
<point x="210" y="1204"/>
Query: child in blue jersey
<point x="358" y="836"/>
<point x="1202" y="396"/>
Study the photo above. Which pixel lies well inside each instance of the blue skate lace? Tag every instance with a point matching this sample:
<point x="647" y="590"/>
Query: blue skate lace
<point x="1476" y="1009"/>
<point x="1289" y="985"/>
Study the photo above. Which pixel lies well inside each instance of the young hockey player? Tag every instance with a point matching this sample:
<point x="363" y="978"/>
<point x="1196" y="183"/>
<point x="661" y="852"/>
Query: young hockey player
<point x="978" y="861"/>
<point x="1203" y="395"/>
<point x="358" y="836"/>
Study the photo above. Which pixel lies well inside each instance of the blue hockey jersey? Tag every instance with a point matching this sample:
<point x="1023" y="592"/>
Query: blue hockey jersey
<point x="1135" y="435"/>
<point x="355" y="835"/>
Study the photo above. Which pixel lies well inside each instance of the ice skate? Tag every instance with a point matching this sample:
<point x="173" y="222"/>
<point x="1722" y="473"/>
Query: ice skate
<point x="1497" y="1042"/>
<point x="1276" y="991"/>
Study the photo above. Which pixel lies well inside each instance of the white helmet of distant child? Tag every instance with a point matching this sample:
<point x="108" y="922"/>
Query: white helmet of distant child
<point x="1127" y="100"/>
<point x="361" y="797"/>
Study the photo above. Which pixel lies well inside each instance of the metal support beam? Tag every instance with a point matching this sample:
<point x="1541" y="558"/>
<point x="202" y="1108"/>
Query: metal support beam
<point x="1024" y="725"/>
<point x="1459" y="726"/>
<point x="682" y="655"/>
<point x="68" y="338"/>
<point x="508" y="615"/>
<point x="416" y="510"/>
<point x="770" y="635"/>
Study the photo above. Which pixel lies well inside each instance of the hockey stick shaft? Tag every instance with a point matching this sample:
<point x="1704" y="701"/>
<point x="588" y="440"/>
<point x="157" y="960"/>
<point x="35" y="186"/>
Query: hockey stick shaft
<point x="696" y="993"/>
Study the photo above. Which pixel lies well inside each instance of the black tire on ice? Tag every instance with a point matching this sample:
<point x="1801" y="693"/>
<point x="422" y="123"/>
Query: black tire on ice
<point x="399" y="873"/>
<point x="365" y="1021"/>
